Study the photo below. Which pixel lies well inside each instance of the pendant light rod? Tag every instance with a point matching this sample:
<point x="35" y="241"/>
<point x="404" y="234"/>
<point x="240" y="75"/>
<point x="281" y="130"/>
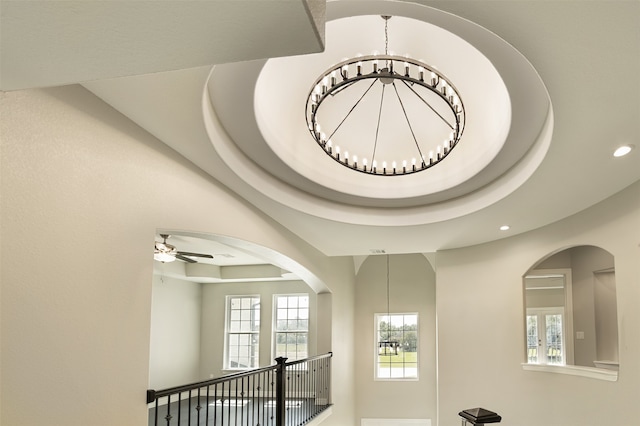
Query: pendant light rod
<point x="388" y="310"/>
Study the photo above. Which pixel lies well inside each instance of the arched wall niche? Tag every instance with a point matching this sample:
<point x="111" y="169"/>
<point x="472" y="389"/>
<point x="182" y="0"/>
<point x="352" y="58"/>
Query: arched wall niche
<point x="571" y="318"/>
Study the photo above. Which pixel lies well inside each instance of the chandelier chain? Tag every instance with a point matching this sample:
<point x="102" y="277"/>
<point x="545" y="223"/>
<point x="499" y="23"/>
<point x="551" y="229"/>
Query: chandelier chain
<point x="386" y="36"/>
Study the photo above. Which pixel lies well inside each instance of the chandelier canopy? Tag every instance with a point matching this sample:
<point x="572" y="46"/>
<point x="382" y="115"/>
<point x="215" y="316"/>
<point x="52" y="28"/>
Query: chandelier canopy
<point x="379" y="94"/>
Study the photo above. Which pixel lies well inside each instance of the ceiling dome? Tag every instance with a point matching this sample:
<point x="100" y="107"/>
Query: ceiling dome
<point x="261" y="106"/>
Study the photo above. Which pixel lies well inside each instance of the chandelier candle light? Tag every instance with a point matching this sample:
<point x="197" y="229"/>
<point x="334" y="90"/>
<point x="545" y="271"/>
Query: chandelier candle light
<point x="390" y="72"/>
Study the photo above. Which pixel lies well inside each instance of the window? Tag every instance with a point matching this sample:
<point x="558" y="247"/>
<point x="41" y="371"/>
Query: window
<point x="396" y="346"/>
<point x="243" y="332"/>
<point x="291" y="326"/>
<point x="545" y="336"/>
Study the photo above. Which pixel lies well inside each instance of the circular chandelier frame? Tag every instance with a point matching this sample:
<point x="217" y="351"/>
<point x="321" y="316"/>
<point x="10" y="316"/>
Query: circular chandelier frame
<point x="338" y="78"/>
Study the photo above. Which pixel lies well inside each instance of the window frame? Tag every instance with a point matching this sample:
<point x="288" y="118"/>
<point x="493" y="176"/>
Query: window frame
<point x="253" y="333"/>
<point x="376" y="347"/>
<point x="276" y="331"/>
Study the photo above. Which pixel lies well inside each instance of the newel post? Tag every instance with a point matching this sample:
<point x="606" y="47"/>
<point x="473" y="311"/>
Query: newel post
<point x="281" y="384"/>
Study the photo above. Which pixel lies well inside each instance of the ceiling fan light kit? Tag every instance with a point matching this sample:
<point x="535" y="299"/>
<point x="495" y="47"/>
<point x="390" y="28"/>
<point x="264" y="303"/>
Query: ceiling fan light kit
<point x="163" y="256"/>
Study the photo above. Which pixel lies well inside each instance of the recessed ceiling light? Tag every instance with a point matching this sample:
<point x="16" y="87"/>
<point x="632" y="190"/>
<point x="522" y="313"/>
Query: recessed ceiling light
<point x="622" y="150"/>
<point x="504" y="227"/>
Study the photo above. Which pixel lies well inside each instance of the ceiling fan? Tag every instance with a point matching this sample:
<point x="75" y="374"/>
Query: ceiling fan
<point x="164" y="252"/>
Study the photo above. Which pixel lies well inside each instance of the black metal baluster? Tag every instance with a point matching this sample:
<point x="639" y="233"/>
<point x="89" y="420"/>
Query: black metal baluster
<point x="261" y="399"/>
<point x="306" y="391"/>
<point x="242" y="408"/>
<point x="206" y="410"/>
<point x="229" y="392"/>
<point x="198" y="407"/>
<point x="235" y="420"/>
<point x="215" y="404"/>
<point x="274" y="407"/>
<point x="189" y="410"/>
<point x="155" y="421"/>
<point x="179" y="406"/>
<point x="222" y="405"/>
<point x="255" y="420"/>
<point x="295" y="382"/>
<point x="311" y="400"/>
<point x="328" y="381"/>
<point x="295" y="410"/>
<point x="321" y="381"/>
<point x="168" y="416"/>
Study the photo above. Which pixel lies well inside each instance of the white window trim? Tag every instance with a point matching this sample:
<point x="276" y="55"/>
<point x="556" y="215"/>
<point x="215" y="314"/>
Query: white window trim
<point x="226" y="360"/>
<point x="375" y="349"/>
<point x="274" y="321"/>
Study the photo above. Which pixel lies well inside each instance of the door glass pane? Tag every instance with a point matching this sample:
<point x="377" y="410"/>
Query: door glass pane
<point x="554" y="339"/>
<point x="532" y="339"/>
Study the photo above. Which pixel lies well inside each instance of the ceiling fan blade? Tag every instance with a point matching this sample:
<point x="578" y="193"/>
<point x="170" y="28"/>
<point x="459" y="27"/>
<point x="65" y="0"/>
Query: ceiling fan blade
<point x="185" y="253"/>
<point x="186" y="259"/>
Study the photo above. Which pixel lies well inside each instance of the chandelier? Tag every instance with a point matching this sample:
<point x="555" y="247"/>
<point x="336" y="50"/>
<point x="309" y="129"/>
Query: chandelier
<point x="418" y="92"/>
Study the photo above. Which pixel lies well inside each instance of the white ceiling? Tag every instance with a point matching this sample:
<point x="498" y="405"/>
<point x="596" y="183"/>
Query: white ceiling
<point x="230" y="263"/>
<point x="586" y="54"/>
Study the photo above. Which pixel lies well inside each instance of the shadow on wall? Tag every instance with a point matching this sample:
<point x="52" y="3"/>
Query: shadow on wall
<point x="571" y="309"/>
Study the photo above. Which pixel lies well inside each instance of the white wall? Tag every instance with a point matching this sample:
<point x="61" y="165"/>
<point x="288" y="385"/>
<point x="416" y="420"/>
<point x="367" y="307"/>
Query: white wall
<point x="174" y="357"/>
<point x="481" y="327"/>
<point x="83" y="192"/>
<point x="411" y="289"/>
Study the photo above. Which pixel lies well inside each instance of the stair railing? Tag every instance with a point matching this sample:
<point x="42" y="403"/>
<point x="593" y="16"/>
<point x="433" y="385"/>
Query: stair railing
<point x="284" y="394"/>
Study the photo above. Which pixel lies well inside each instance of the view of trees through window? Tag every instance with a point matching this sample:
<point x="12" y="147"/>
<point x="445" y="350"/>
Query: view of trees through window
<point x="292" y="326"/>
<point x="397" y="346"/>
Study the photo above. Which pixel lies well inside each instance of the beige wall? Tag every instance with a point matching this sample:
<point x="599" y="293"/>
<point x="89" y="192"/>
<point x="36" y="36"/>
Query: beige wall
<point x="175" y="333"/>
<point x="606" y="316"/>
<point x="83" y="192"/>
<point x="481" y="330"/>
